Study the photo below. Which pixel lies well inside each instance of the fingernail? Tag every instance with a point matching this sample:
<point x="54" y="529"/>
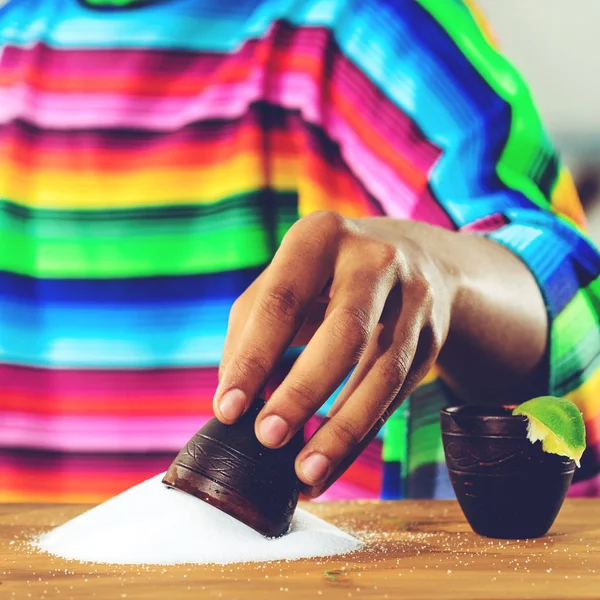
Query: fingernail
<point x="272" y="430"/>
<point x="315" y="467"/>
<point x="232" y="404"/>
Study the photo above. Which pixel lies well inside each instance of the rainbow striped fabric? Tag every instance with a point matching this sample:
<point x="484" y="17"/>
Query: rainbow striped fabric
<point x="152" y="156"/>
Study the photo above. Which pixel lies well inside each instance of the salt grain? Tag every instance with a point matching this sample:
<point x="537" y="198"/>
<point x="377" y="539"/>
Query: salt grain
<point x="150" y="524"/>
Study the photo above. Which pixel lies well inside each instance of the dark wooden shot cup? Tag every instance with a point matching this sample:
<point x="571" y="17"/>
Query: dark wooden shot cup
<point x="506" y="486"/>
<point x="226" y="466"/>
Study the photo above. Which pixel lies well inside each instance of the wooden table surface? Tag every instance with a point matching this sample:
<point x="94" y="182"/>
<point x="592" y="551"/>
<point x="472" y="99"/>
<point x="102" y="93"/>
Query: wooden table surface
<point x="414" y="550"/>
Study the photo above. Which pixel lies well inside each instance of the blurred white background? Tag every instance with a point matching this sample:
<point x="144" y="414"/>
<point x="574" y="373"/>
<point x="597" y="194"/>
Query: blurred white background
<point x="554" y="43"/>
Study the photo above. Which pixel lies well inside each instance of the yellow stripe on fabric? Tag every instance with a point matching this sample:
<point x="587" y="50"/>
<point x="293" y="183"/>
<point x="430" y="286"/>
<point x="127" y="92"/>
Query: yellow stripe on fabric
<point x="51" y="189"/>
<point x="431" y="376"/>
<point x="313" y="197"/>
<point x="526" y="133"/>
<point x="587" y="397"/>
<point x="565" y="200"/>
<point x="482" y="22"/>
<point x="50" y="497"/>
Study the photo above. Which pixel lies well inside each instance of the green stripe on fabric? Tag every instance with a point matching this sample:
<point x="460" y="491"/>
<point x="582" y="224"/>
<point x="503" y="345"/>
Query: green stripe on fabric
<point x="526" y="134"/>
<point x="394" y="441"/>
<point x="592" y="291"/>
<point x="38" y="229"/>
<point x="135" y="257"/>
<point x="578" y="357"/>
<point x="100" y="258"/>
<point x="425" y="446"/>
<point x="572" y="379"/>
<point x="256" y="202"/>
<point x="236" y="233"/>
<point x="575" y="321"/>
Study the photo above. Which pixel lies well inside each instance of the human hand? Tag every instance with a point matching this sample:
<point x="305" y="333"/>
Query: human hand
<point x="362" y="292"/>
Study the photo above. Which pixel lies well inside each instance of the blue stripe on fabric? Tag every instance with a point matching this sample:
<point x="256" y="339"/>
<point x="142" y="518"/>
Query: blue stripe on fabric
<point x="153" y="336"/>
<point x="53" y="321"/>
<point x="430" y="481"/>
<point x="152" y="352"/>
<point x="118" y="292"/>
<point x="543" y="246"/>
<point x="392" y="488"/>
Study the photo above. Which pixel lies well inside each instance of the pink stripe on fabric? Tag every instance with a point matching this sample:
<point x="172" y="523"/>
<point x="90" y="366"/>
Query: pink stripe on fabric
<point x="78" y="110"/>
<point x="486" y="224"/>
<point x="293" y="91"/>
<point x="125" y="63"/>
<point x="191" y="138"/>
<point x="94" y="383"/>
<point x="428" y="210"/>
<point x="98" y="434"/>
<point x="104" y="465"/>
<point x="590" y="488"/>
<point x="396" y="198"/>
<point x="341" y="490"/>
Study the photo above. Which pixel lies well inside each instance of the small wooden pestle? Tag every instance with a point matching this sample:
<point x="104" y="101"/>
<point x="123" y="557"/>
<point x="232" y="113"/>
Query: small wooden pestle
<point x="226" y="466"/>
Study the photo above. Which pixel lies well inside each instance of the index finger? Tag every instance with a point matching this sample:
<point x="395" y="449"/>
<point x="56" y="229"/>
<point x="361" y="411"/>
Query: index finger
<point x="300" y="270"/>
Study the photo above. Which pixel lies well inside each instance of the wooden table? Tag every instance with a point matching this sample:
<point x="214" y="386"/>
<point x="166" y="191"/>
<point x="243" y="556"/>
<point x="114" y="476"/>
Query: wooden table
<point x="414" y="550"/>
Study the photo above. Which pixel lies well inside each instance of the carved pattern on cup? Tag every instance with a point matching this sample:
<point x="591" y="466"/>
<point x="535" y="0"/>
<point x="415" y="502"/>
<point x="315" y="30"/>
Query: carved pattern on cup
<point x="212" y="457"/>
<point x="233" y="470"/>
<point x="462" y="456"/>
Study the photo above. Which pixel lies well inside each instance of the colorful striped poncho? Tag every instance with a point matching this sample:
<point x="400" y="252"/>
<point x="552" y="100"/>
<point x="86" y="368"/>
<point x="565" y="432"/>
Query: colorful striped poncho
<point x="152" y="156"/>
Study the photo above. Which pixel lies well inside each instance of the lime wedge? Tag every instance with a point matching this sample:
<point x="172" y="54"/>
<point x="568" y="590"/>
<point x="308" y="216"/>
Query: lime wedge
<point x="557" y="423"/>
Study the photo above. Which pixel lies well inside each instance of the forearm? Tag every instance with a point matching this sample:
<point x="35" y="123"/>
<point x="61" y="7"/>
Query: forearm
<point x="497" y="340"/>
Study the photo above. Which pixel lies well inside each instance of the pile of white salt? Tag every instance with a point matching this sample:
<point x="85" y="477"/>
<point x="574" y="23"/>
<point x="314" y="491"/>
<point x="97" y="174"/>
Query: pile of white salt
<point x="151" y="524"/>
